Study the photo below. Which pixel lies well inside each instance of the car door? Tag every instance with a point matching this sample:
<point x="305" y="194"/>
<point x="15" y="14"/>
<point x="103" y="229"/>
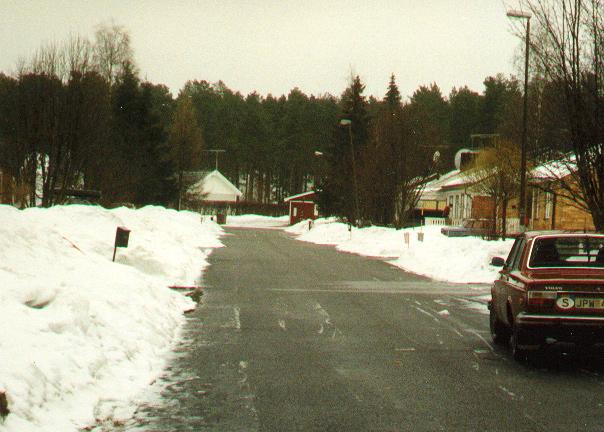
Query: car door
<point x="505" y="284"/>
<point x="514" y="287"/>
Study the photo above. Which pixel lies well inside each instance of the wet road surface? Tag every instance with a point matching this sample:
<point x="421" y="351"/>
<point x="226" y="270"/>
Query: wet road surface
<point x="298" y="337"/>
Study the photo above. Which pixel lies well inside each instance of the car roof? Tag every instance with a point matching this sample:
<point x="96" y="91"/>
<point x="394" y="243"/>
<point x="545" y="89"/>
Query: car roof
<point x="560" y="233"/>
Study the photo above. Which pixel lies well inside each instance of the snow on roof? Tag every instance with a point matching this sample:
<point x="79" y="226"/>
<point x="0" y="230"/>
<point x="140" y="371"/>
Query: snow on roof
<point x="434" y="187"/>
<point x="199" y="186"/>
<point x="302" y="195"/>
<point x="556" y="169"/>
<point x="436" y="184"/>
<point x="456" y="180"/>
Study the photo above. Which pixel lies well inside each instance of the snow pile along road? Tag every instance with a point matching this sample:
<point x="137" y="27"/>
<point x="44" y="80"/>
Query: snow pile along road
<point x="257" y="221"/>
<point x="459" y="260"/>
<point x="81" y="335"/>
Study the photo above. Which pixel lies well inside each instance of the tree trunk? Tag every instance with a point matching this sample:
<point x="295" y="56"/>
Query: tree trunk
<point x="179" y="203"/>
<point x="494" y="217"/>
<point x="504" y="218"/>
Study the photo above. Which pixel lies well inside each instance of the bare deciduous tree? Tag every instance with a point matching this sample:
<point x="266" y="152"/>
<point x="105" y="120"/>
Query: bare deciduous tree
<point x="46" y="60"/>
<point x="78" y="53"/>
<point x="568" y="47"/>
<point x="112" y="50"/>
<point x="495" y="174"/>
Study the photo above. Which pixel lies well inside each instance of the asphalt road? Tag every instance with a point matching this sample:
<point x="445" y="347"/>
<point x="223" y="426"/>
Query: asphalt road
<point x="298" y="337"/>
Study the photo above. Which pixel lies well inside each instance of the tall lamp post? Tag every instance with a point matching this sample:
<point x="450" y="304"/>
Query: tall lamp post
<point x="522" y="203"/>
<point x="348" y="122"/>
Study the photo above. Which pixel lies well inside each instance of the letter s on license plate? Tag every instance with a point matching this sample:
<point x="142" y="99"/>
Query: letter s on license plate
<point x="565" y="302"/>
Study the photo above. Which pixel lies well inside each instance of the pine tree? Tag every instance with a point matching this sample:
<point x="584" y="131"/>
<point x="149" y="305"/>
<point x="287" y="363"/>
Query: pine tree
<point x="157" y="184"/>
<point x="186" y="141"/>
<point x="340" y="194"/>
<point x="465" y="116"/>
<point x="125" y="170"/>
<point x="393" y="96"/>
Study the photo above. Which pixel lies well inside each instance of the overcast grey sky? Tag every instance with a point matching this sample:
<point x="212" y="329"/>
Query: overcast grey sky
<point x="272" y="46"/>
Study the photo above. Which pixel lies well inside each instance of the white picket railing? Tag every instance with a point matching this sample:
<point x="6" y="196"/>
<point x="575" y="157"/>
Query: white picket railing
<point x="429" y="221"/>
<point x="455" y="222"/>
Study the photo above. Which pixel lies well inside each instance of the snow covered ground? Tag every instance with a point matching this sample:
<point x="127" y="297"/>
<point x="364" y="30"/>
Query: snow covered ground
<point x="257" y="221"/>
<point x="82" y="335"/>
<point x="459" y="260"/>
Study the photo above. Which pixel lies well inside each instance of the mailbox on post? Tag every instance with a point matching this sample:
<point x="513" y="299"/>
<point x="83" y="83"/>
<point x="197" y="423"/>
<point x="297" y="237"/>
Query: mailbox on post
<point x="121" y="239"/>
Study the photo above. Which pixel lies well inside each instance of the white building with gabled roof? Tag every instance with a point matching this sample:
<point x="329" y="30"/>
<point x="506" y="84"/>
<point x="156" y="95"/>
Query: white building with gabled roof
<point x="214" y="187"/>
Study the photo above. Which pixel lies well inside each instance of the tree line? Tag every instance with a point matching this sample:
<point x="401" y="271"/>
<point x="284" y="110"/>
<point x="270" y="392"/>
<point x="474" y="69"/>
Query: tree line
<point x="78" y="115"/>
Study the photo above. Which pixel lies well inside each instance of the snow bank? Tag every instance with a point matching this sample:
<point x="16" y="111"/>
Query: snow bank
<point x="82" y="335"/>
<point x="460" y="260"/>
<point x="257" y="221"/>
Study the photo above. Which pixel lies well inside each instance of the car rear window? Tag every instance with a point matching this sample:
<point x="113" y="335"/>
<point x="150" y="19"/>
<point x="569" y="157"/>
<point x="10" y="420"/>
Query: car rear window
<point x="576" y="251"/>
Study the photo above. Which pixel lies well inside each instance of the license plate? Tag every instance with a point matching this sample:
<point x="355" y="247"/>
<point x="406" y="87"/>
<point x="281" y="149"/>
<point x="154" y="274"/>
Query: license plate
<point x="589" y="303"/>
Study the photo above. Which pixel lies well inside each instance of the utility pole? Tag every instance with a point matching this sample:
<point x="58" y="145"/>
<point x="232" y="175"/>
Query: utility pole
<point x="348" y="122"/>
<point x="522" y="201"/>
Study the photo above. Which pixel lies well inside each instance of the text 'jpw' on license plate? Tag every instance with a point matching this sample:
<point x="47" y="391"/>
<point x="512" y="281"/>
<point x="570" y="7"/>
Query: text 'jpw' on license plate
<point x="589" y="303"/>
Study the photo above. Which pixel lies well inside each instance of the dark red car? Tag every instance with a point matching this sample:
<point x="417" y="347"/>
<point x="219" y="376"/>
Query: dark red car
<point x="551" y="289"/>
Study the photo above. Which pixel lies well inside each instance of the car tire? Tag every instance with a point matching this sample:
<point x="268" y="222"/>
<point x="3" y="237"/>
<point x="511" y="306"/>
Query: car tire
<point x="518" y="352"/>
<point x="500" y="333"/>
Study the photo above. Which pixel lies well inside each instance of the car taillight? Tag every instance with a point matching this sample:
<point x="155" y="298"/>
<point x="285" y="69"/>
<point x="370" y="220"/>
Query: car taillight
<point x="542" y="298"/>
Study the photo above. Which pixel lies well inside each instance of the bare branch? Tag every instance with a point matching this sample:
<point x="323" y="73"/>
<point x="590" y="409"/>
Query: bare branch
<point x="112" y="50"/>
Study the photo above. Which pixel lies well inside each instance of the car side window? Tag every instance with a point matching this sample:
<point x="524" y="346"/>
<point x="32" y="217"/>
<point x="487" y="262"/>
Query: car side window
<point x="518" y="257"/>
<point x="512" y="255"/>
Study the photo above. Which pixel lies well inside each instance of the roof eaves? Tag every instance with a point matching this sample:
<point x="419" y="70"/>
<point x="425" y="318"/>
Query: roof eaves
<point x="301" y="195"/>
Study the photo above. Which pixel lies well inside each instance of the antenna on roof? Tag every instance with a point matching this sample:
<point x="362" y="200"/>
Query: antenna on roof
<point x="215" y="151"/>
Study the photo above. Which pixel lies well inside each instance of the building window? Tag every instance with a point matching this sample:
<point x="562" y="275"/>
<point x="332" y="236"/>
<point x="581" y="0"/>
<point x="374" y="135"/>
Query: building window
<point x="549" y="204"/>
<point x="536" y="197"/>
<point x="468" y="206"/>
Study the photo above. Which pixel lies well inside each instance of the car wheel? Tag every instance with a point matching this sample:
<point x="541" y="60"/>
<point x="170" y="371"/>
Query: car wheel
<point x="499" y="331"/>
<point x="518" y="352"/>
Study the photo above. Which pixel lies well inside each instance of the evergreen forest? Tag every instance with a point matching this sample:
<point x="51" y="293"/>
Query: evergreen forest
<point x="78" y="115"/>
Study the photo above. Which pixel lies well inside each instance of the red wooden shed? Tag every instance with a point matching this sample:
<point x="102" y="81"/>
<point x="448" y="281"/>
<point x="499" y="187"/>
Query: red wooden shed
<point x="302" y="207"/>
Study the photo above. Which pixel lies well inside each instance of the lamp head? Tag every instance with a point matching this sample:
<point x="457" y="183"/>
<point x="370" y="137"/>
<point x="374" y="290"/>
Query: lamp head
<point x="518" y="14"/>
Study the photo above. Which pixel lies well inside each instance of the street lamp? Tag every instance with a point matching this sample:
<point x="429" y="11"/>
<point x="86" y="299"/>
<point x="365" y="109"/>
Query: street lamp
<point x="522" y="203"/>
<point x="348" y="122"/>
